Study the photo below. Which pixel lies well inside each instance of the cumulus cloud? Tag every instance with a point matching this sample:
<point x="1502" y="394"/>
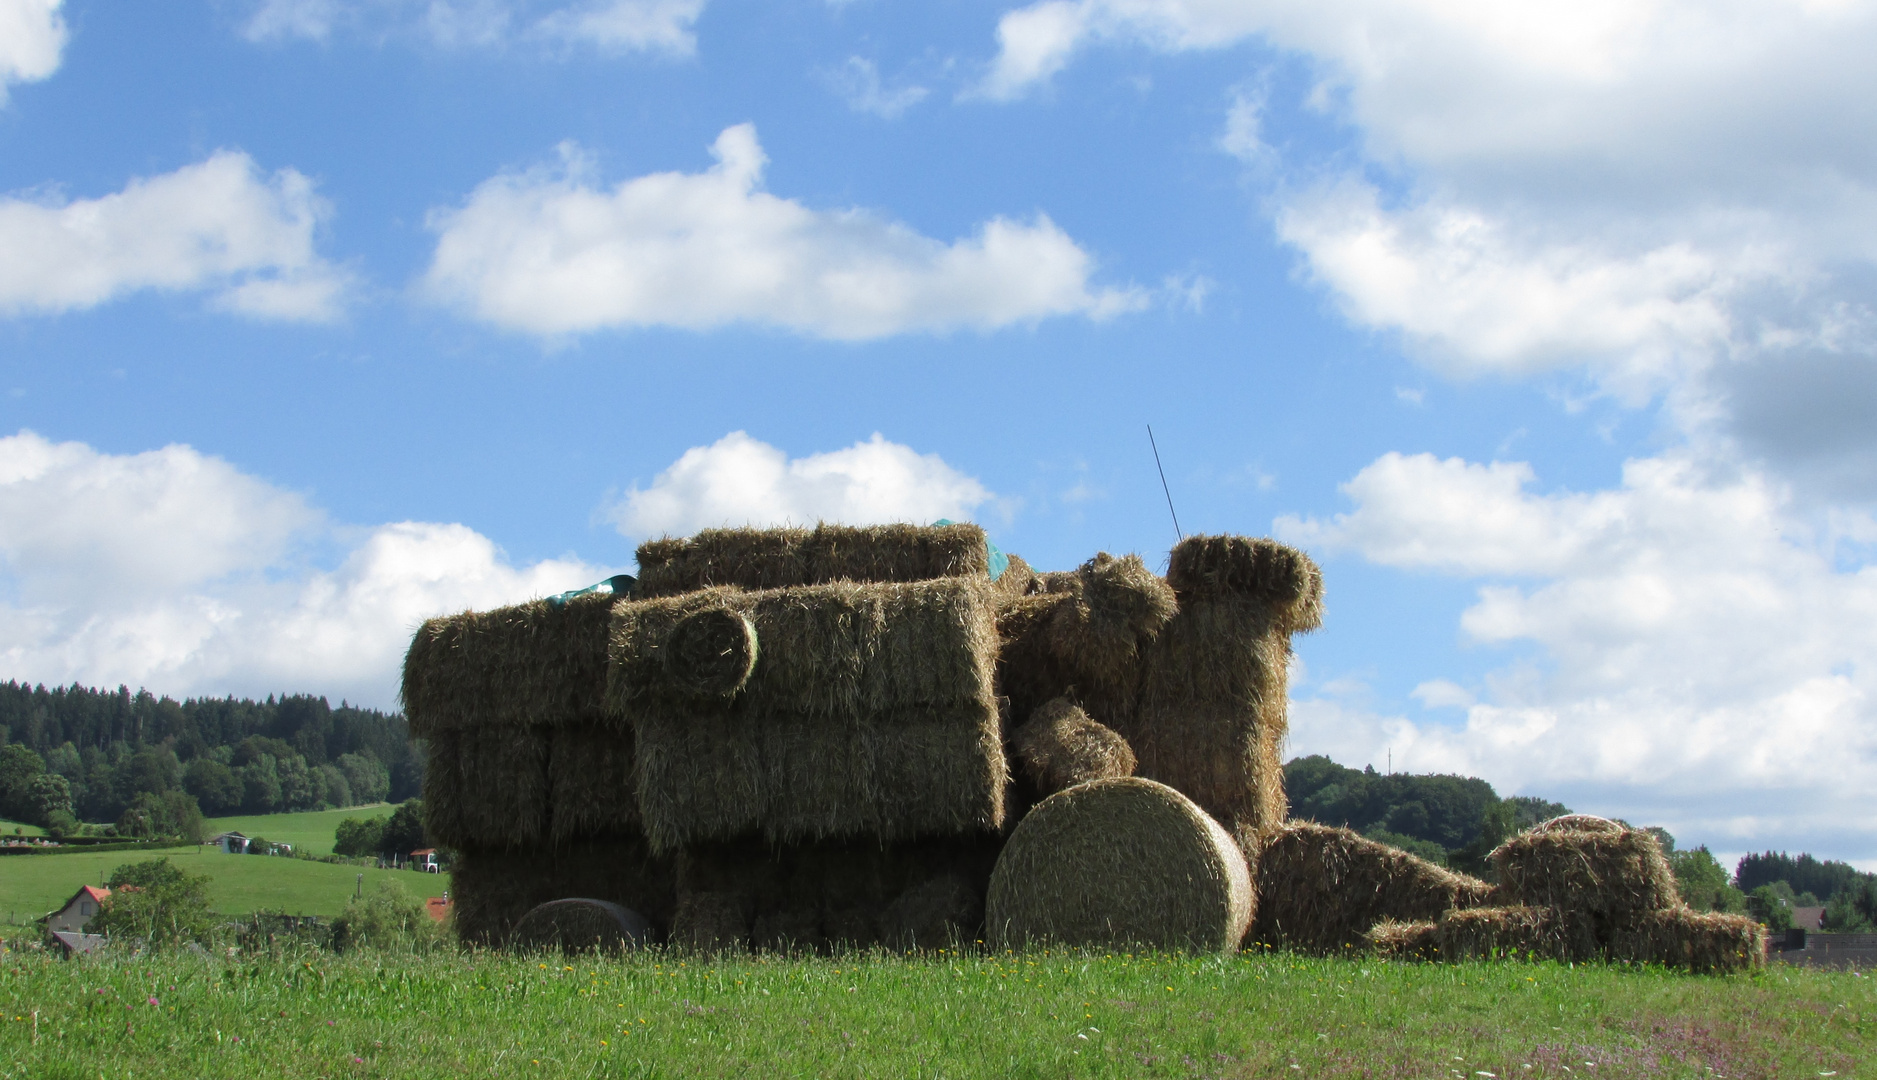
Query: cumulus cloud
<point x="172" y="569"/>
<point x="1655" y="192"/>
<point x="1685" y="648"/>
<point x="859" y="84"/>
<point x="665" y="26"/>
<point x="549" y="252"/>
<point x="32" y="41"/>
<point x="738" y="480"/>
<point x="218" y="225"/>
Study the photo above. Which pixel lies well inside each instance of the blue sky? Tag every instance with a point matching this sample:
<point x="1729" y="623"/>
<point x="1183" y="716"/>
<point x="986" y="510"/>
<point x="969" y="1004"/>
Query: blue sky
<point x="1546" y="329"/>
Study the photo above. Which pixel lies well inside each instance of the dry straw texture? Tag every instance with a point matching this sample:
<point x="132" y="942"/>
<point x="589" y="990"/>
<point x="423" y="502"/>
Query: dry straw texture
<point x="782" y="558"/>
<point x="1061" y="747"/>
<point x="1321" y="889"/>
<point x="1395" y="940"/>
<point x="1708" y="943"/>
<point x="530" y="664"/>
<point x="1579" y="823"/>
<point x="1597" y="870"/>
<point x="513" y="786"/>
<point x="1516" y="933"/>
<point x="855" y="892"/>
<point x="1119" y="862"/>
<point x="870" y="712"/>
<point x="493" y="889"/>
<point x="577" y="924"/>
<point x="1211" y="720"/>
<point x="488" y="787"/>
<point x="712" y="923"/>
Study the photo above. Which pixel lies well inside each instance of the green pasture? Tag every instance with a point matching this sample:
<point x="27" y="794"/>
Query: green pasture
<point x="1033" y="1015"/>
<point x="31" y="885"/>
<point x="20" y="828"/>
<point x="309" y="832"/>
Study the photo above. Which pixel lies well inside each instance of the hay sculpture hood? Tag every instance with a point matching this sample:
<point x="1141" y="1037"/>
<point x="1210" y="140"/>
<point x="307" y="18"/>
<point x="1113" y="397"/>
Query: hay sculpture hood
<point x="811" y="690"/>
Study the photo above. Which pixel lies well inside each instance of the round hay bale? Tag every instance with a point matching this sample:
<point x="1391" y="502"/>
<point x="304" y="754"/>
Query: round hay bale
<point x="1596" y="871"/>
<point x="711" y="653"/>
<point x="577" y="924"/>
<point x="1586" y="823"/>
<point x="1061" y="747"/>
<point x="1124" y="861"/>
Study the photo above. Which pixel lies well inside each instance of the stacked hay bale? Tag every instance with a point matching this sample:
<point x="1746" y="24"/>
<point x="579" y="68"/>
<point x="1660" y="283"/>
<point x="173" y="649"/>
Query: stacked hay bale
<point x="527" y="776"/>
<point x="817" y="738"/>
<point x="1580" y="888"/>
<point x="1327" y="890"/>
<point x="1120" y="861"/>
<point x="1188" y="671"/>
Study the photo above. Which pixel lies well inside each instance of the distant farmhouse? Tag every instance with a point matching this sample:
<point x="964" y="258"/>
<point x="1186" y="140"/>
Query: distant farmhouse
<point x="67" y="924"/>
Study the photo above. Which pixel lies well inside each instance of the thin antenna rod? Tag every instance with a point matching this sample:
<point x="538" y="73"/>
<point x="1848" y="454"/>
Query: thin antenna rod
<point x="1163" y="483"/>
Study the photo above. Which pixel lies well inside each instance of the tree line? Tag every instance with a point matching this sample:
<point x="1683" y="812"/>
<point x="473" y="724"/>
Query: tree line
<point x="1457" y="820"/>
<point x="150" y="765"/>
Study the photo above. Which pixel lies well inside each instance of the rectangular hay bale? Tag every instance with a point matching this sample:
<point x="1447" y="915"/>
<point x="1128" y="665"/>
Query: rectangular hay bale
<point x="784" y="558"/>
<point x="868" y="711"/>
<point x="1701" y="942"/>
<point x="488" y="787"/>
<point x="1322" y="889"/>
<point x="1516" y="933"/>
<point x="536" y="663"/>
<point x="1611" y="874"/>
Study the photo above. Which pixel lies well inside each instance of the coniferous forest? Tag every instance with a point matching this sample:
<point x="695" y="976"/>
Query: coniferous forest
<point x="149" y="764"/>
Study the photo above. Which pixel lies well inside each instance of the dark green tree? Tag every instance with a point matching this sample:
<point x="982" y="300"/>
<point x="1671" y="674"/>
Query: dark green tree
<point x="51" y="795"/>
<point x="215" y="786"/>
<point x="19" y="767"/>
<point x="404" y="833"/>
<point x="359" y="836"/>
<point x="1771" y="906"/>
<point x="1703" y="882"/>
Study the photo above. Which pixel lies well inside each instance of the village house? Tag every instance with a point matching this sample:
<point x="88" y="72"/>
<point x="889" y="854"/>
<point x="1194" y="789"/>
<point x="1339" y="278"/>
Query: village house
<point x="425" y="861"/>
<point x="67" y="925"/>
<point x="231" y="843"/>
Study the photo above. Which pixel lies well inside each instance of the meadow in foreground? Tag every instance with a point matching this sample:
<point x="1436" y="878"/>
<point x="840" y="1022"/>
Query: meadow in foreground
<point x="373" y="1014"/>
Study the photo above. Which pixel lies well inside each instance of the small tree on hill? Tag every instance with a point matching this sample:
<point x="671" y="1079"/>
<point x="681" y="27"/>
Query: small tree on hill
<point x="404" y="833"/>
<point x="390" y="917"/>
<point x="155" y="902"/>
<point x="1703" y="882"/>
<point x="359" y="836"/>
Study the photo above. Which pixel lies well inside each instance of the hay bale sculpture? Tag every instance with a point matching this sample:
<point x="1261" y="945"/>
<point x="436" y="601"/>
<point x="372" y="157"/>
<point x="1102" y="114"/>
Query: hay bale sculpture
<point x="805" y="739"/>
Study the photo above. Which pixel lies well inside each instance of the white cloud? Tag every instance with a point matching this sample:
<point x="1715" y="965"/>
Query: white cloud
<point x="666" y="26"/>
<point x="629" y="25"/>
<point x="1698" y="654"/>
<point x="216" y="225"/>
<point x="858" y="83"/>
<point x="32" y="41"/>
<point x="1650" y="190"/>
<point x="174" y="570"/>
<point x="550" y="253"/>
<point x="738" y="480"/>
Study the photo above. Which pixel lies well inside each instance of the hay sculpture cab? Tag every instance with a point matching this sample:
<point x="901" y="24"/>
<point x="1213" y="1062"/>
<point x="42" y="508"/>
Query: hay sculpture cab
<point x="897" y="736"/>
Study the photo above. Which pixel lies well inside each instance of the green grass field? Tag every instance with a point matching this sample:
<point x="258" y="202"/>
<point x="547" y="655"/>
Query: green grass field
<point x="9" y="828"/>
<point x="309" y="832"/>
<point x="31" y="885"/>
<point x="1037" y="1015"/>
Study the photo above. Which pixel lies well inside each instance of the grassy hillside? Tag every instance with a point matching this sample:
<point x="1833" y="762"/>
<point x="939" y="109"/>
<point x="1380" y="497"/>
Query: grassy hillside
<point x="1032" y="1015"/>
<point x="8" y="828"/>
<point x="309" y="832"/>
<point x="31" y="885"/>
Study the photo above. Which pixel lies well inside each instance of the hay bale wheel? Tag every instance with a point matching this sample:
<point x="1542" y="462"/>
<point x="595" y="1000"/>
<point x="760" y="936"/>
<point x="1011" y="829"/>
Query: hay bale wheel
<point x="1124" y="861"/>
<point x="711" y="652"/>
<point x="577" y="924"/>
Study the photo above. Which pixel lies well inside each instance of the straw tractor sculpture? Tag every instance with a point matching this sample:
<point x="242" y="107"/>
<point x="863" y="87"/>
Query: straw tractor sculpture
<point x="897" y="736"/>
